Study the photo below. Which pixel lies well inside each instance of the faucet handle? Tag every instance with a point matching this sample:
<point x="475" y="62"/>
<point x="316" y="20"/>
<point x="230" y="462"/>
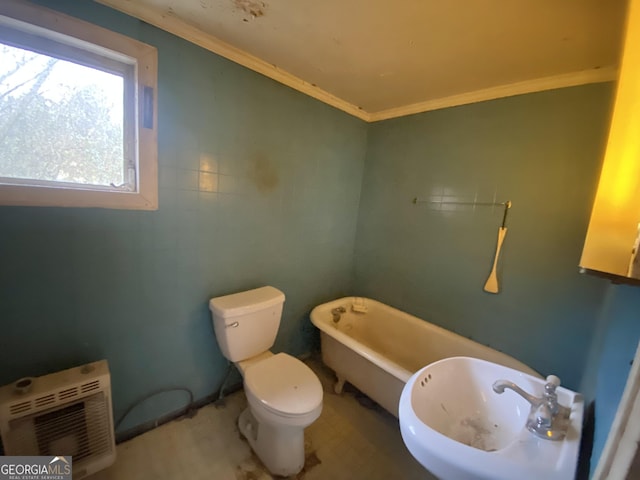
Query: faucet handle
<point x="552" y="383"/>
<point x="555" y="381"/>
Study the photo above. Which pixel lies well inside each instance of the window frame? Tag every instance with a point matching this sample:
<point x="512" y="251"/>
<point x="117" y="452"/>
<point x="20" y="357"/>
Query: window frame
<point x="140" y="99"/>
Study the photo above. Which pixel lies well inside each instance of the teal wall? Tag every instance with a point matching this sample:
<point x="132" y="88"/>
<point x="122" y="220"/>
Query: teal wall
<point x="82" y="284"/>
<point x="541" y="151"/>
<point x="615" y="344"/>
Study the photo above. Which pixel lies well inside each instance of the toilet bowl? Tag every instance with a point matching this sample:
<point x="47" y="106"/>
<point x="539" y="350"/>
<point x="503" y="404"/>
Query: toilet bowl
<point x="284" y="396"/>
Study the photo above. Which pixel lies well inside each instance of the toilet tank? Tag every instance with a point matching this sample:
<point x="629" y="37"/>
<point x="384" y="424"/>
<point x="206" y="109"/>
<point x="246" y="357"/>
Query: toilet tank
<point x="246" y="323"/>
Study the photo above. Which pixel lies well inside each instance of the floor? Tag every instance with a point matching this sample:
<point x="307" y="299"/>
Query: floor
<point x="353" y="439"/>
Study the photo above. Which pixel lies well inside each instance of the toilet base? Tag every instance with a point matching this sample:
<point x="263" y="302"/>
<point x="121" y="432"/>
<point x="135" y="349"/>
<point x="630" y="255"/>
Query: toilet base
<point x="281" y="448"/>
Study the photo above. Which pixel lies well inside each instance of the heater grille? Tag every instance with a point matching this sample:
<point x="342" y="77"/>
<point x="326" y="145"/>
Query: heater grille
<point x="90" y="386"/>
<point x="81" y="429"/>
<point x="45" y="401"/>
<point x="20" y="407"/>
<point x="54" y="398"/>
<point x="67" y="394"/>
<point x="66" y="414"/>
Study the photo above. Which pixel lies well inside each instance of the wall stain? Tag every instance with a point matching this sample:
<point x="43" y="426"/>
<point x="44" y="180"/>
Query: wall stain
<point x="263" y="173"/>
<point x="255" y="8"/>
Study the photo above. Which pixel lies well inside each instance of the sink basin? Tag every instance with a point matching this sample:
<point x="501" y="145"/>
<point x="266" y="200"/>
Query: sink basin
<point x="458" y="428"/>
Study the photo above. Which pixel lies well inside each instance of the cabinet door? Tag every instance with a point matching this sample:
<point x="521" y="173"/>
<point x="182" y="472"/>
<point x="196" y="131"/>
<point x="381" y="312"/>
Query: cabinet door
<point x="613" y="228"/>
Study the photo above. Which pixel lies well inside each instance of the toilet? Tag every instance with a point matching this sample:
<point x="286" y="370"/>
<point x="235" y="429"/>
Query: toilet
<point x="284" y="396"/>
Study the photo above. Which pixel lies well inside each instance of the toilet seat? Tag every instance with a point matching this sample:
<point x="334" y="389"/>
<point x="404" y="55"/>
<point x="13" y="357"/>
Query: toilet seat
<point x="284" y="386"/>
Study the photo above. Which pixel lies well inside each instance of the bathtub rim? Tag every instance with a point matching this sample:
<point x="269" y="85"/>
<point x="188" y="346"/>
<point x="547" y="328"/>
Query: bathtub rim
<point x="370" y="354"/>
<point x="325" y="326"/>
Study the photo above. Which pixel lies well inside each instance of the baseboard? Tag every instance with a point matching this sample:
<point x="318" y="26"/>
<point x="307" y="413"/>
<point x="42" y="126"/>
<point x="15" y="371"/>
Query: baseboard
<point x="187" y="411"/>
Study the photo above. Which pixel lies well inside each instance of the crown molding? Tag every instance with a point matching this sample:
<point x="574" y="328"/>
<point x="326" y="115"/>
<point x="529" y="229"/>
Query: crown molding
<point x="573" y="79"/>
<point x="174" y="25"/>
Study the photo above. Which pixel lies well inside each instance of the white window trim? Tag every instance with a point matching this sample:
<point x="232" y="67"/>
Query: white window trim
<point x="146" y="59"/>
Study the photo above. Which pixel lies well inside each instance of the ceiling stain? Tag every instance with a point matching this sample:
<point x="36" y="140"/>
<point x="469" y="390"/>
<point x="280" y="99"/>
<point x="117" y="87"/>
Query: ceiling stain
<point x="254" y="8"/>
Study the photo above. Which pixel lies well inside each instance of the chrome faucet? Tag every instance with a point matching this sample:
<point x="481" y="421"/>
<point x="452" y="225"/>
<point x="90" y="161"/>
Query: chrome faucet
<point x="336" y="312"/>
<point x="547" y="418"/>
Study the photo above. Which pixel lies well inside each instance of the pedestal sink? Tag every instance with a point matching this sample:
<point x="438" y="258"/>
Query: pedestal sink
<point x="458" y="428"/>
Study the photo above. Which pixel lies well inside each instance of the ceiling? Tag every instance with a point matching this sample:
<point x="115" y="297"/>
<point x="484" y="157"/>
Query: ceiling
<point x="381" y="59"/>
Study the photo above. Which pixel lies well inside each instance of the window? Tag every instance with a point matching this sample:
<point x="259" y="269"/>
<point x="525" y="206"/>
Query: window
<point x="77" y="113"/>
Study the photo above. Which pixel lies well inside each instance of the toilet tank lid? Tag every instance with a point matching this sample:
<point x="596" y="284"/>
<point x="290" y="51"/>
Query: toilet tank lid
<point x="243" y="303"/>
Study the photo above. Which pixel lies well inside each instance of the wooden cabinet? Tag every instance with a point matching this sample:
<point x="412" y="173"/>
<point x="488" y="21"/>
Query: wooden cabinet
<point x="613" y="228"/>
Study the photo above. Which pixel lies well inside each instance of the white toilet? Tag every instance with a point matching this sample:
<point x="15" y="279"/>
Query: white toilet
<point x="284" y="395"/>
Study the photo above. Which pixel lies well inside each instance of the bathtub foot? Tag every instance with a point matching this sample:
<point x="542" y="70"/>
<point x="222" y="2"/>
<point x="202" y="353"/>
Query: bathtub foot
<point x="339" y="384"/>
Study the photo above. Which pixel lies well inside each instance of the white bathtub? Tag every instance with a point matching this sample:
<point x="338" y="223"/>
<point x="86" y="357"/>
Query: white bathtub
<point x="378" y="351"/>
